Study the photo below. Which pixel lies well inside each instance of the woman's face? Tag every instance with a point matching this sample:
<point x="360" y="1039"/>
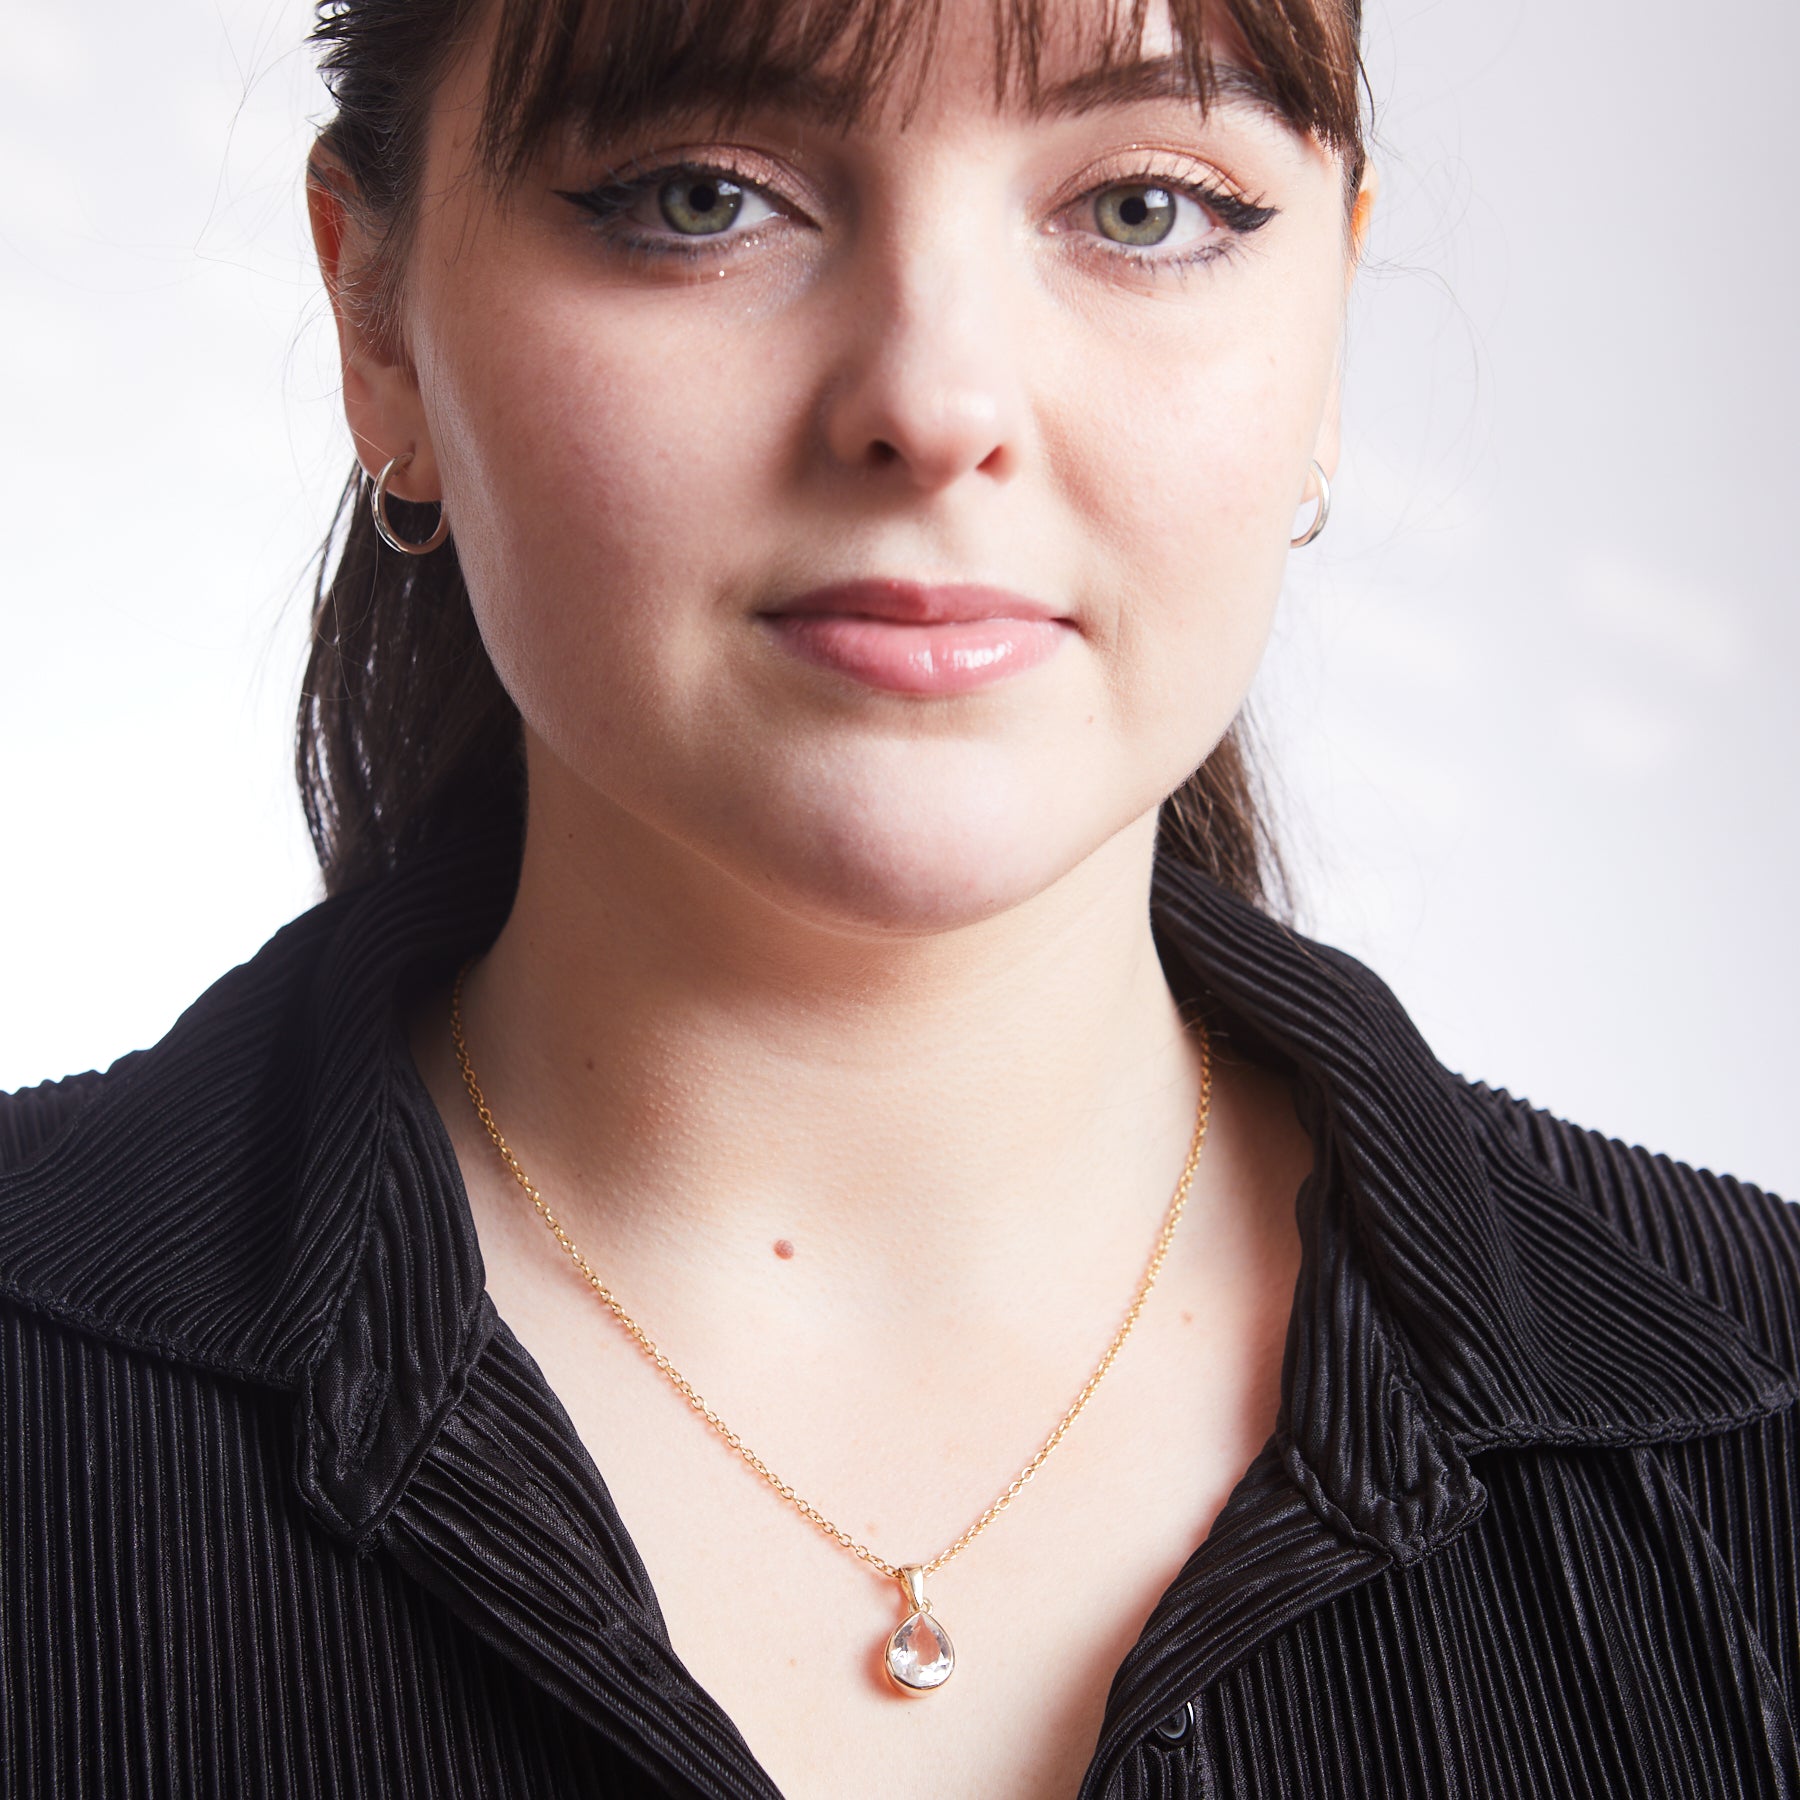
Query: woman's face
<point x="669" y="388"/>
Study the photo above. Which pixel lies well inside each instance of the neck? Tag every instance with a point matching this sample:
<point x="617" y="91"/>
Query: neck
<point x="676" y="1060"/>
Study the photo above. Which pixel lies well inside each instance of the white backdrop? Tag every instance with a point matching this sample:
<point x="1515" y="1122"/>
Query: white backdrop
<point x="1529" y="699"/>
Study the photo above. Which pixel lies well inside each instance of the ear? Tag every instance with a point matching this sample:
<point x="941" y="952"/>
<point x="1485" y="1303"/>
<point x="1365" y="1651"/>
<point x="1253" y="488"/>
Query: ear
<point x="1327" y="446"/>
<point x="1360" y="215"/>
<point x="381" y="391"/>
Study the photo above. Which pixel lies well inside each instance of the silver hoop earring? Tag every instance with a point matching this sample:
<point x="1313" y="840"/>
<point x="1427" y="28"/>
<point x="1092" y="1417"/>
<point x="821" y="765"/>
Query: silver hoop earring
<point x="1318" y="524"/>
<point x="378" y="506"/>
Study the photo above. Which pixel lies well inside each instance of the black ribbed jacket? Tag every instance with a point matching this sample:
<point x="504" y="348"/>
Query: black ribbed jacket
<point x="285" y="1508"/>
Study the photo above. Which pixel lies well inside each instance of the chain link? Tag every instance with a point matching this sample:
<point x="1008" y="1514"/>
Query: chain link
<point x="686" y="1388"/>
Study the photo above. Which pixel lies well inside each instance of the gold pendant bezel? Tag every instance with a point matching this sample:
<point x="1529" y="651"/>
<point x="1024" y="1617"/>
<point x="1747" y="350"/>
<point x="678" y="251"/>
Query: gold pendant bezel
<point x="912" y="1580"/>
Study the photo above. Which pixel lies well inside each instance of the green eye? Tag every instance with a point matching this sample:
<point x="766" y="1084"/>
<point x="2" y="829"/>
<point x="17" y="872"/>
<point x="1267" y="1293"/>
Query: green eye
<point x="700" y="205"/>
<point x="1135" y="214"/>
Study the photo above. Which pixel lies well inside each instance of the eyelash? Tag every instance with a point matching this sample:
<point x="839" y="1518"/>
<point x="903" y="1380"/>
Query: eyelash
<point x="609" y="201"/>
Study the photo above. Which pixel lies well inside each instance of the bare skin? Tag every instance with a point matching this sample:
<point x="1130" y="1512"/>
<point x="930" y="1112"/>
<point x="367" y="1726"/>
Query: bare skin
<point x="900" y="1410"/>
<point x="798" y="961"/>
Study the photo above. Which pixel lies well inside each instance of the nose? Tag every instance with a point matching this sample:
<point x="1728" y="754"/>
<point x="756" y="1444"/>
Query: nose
<point x="927" y="390"/>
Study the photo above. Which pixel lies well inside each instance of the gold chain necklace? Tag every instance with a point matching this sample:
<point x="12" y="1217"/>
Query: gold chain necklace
<point x="919" y="1655"/>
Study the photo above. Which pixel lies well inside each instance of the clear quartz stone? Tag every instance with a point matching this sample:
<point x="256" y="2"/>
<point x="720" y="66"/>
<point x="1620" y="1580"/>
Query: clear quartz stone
<point x="919" y="1654"/>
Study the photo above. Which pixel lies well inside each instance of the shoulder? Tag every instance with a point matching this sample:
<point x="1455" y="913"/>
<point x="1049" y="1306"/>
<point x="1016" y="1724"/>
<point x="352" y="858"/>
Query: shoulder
<point x="32" y="1117"/>
<point x="152" y="1204"/>
<point x="206" y="1200"/>
<point x="1735" y="1244"/>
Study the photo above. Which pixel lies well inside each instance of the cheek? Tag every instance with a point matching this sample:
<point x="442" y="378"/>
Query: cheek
<point x="1188" y="459"/>
<point x="599" y="474"/>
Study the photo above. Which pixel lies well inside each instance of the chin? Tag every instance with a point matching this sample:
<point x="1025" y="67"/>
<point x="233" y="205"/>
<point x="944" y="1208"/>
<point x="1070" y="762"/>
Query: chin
<point x="909" y="870"/>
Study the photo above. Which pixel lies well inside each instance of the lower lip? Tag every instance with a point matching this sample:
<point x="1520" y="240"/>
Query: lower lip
<point x="949" y="658"/>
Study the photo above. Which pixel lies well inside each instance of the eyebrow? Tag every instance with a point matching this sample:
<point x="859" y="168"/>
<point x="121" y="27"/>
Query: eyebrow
<point x="1165" y="78"/>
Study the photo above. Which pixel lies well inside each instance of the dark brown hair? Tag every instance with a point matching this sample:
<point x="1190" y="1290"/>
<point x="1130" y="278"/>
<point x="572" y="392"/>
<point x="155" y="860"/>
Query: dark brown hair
<point x="405" y="732"/>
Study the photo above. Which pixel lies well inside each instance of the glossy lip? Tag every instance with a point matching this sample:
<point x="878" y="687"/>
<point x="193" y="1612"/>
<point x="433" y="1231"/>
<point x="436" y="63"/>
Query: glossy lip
<point x="914" y="603"/>
<point x="910" y="638"/>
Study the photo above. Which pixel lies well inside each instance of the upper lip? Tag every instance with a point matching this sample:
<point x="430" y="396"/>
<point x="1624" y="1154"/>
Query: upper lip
<point x="917" y="603"/>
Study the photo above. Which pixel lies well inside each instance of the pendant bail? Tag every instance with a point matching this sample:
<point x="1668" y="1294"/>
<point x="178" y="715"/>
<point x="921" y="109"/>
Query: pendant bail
<point x="912" y="1581"/>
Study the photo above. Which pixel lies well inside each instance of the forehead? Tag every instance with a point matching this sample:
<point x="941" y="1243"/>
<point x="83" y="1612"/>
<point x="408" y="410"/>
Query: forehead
<point x="599" y="67"/>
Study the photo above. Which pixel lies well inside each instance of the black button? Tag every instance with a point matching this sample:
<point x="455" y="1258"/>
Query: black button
<point x="1178" y="1727"/>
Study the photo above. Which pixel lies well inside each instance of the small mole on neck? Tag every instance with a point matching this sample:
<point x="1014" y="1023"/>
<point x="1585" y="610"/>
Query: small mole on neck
<point x="783" y="1248"/>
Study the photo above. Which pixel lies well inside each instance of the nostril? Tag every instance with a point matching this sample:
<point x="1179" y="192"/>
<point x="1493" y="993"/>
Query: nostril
<point x="882" y="453"/>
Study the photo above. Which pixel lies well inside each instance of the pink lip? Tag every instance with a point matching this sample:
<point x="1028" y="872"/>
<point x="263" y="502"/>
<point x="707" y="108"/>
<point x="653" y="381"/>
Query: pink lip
<point x="912" y="639"/>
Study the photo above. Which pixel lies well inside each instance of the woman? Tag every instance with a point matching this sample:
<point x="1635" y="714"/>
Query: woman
<point x="802" y="933"/>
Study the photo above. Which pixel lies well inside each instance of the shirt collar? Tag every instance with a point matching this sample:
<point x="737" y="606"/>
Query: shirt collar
<point x="1454" y="1295"/>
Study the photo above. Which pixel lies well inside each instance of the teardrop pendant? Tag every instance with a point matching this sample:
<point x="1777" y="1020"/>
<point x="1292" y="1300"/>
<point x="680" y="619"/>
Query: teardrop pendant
<point x="920" y="1655"/>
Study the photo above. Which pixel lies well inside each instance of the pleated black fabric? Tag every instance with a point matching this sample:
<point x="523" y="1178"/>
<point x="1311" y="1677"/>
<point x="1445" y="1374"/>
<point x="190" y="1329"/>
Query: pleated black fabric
<point x="286" y="1509"/>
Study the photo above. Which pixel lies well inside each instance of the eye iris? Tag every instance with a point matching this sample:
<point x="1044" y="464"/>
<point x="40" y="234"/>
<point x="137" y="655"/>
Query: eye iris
<point x="697" y="205"/>
<point x="1136" y="215"/>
